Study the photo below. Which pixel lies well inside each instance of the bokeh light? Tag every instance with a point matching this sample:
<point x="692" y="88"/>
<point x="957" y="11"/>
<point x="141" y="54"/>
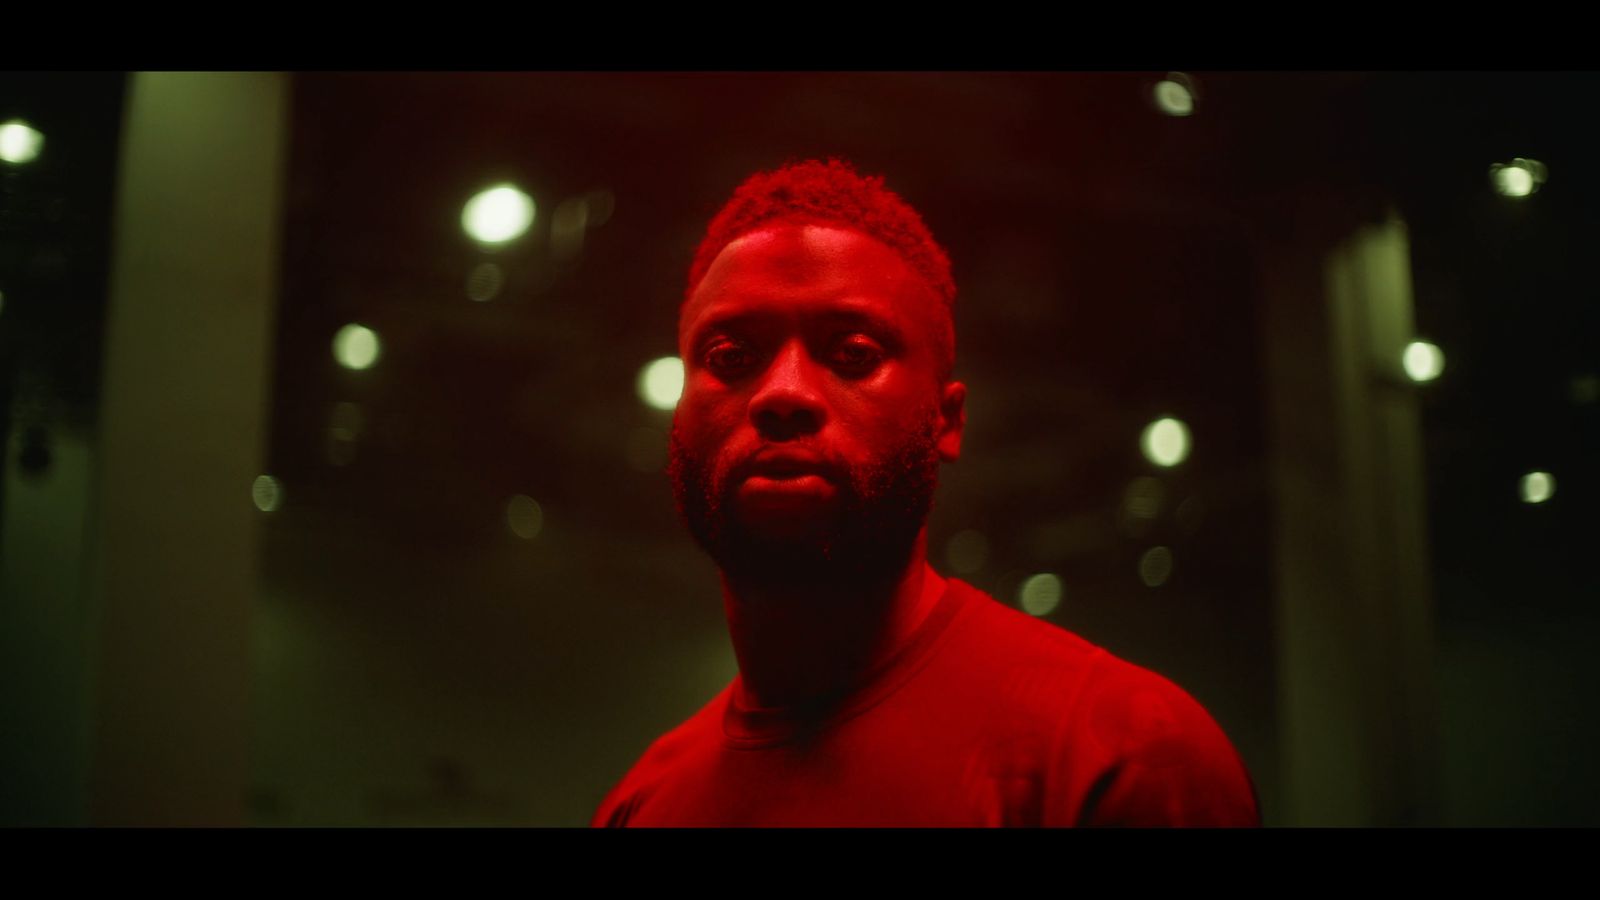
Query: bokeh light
<point x="1174" y="95"/>
<point x="567" y="225"/>
<point x="1513" y="181"/>
<point x="1141" y="505"/>
<point x="1584" y="389"/>
<point x="1518" y="178"/>
<point x="1165" y="442"/>
<point x="1142" y="500"/>
<point x="967" y="551"/>
<point x="348" y="417"/>
<point x="1040" y="594"/>
<point x="356" y="347"/>
<point x="344" y="433"/>
<point x="497" y="215"/>
<point x="524" y="516"/>
<point x="661" y="382"/>
<point x="20" y="142"/>
<point x="342" y="447"/>
<point x="485" y="281"/>
<point x="1423" y="361"/>
<point x="1537" y="487"/>
<point x="266" y="492"/>
<point x="1155" y="566"/>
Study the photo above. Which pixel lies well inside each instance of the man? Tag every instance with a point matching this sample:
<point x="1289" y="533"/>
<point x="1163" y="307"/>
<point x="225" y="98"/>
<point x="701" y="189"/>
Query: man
<point x="818" y="342"/>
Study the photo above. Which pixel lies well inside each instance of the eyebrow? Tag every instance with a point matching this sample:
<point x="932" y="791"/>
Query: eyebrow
<point x="863" y="318"/>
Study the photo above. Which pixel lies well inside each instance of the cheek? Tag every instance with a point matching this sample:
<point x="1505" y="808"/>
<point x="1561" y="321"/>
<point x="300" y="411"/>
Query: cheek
<point x="708" y="408"/>
<point x="885" y="429"/>
<point x="887" y="405"/>
<point x="706" y="421"/>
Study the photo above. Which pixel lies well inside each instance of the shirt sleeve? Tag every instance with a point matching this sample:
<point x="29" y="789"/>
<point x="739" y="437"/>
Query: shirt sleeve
<point x="1145" y="753"/>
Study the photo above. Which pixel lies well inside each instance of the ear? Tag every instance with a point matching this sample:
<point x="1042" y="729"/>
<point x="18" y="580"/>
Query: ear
<point x="952" y="421"/>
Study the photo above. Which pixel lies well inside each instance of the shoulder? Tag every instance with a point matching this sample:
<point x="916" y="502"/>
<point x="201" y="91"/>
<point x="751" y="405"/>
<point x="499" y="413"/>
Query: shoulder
<point x="665" y="756"/>
<point x="1121" y="744"/>
<point x="1156" y="756"/>
<point x="1019" y="672"/>
<point x="997" y="629"/>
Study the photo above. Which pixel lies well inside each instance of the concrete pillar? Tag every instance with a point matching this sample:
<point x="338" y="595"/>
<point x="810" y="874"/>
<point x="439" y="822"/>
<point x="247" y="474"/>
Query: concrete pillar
<point x="1357" y="706"/>
<point x="188" y="350"/>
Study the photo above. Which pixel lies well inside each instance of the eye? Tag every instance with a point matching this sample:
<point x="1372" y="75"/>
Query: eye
<point x="727" y="360"/>
<point x="856" y="355"/>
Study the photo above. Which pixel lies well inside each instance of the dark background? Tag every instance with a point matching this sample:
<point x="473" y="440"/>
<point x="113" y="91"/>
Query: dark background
<point x="415" y="662"/>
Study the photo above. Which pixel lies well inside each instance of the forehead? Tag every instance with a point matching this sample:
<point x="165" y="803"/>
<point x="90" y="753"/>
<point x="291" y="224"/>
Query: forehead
<point x="797" y="271"/>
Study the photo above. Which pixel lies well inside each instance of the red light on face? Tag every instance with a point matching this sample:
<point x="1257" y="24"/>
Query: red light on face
<point x="813" y="411"/>
<point x="802" y="334"/>
<point x="766" y="500"/>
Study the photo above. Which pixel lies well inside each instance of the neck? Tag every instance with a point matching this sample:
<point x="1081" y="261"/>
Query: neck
<point x="798" y="647"/>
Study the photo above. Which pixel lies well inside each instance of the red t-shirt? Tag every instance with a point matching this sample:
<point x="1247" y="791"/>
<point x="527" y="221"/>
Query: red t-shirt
<point x="987" y="717"/>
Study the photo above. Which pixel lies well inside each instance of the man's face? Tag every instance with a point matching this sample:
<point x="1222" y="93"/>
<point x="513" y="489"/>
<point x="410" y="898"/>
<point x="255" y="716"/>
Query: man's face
<point x="813" y="419"/>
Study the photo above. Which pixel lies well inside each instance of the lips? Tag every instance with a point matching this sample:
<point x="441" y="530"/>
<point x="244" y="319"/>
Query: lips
<point x="787" y="465"/>
<point x="783" y="489"/>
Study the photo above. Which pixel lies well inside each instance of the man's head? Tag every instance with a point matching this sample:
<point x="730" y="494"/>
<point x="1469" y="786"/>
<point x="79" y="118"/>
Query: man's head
<point x="817" y="342"/>
<point x="833" y="194"/>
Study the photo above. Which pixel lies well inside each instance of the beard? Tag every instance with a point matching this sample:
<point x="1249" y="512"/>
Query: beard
<point x="864" y="544"/>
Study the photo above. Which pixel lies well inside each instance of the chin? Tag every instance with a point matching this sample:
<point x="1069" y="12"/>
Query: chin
<point x="829" y="560"/>
<point x="862" y="539"/>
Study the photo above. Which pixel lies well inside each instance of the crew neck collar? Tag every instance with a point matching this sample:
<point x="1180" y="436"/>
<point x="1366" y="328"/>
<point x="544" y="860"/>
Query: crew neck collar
<point x="746" y="726"/>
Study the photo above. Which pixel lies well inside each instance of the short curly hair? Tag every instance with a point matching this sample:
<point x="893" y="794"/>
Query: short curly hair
<point x="833" y="193"/>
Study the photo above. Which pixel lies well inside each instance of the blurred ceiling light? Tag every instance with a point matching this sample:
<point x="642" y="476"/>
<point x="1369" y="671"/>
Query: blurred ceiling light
<point x="1174" y="95"/>
<point x="342" y="447"/>
<point x="1537" y="487"/>
<point x="347" y="416"/>
<point x="266" y="492"/>
<point x="1142" y="499"/>
<point x="1155" y="566"/>
<point x="1141" y="506"/>
<point x="356" y="347"/>
<point x="1518" y="178"/>
<point x="661" y="383"/>
<point x="1165" y="442"/>
<point x="1423" y="361"/>
<point x="966" y="551"/>
<point x="524" y="516"/>
<point x="485" y="281"/>
<point x="345" y="423"/>
<point x="1040" y="594"/>
<point x="498" y="214"/>
<point x="20" y="142"/>
<point x="567" y="224"/>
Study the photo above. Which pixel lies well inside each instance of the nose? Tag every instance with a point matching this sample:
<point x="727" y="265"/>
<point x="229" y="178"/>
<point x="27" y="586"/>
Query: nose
<point x="788" y="403"/>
